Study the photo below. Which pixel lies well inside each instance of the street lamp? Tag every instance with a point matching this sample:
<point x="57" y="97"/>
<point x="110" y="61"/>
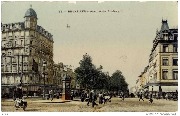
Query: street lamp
<point x="44" y="65"/>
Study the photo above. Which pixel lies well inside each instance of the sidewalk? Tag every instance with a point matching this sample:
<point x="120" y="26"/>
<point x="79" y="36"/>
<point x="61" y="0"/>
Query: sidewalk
<point x="40" y="100"/>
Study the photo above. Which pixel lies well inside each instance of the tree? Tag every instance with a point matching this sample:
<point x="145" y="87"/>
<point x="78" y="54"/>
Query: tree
<point x="117" y="82"/>
<point x="88" y="76"/>
<point x="101" y="81"/>
<point x="86" y="72"/>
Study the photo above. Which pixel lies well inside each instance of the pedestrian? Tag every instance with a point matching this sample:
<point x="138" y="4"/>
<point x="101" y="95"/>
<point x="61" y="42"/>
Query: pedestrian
<point x="94" y="98"/>
<point x="158" y="96"/>
<point x="166" y="96"/>
<point x="90" y="98"/>
<point x="151" y="98"/>
<point x="72" y="95"/>
<point x="141" y="96"/>
<point x="75" y="94"/>
<point x="19" y="93"/>
<point x="14" y="94"/>
<point x="100" y="98"/>
<point x="82" y="96"/>
<point x="122" y="96"/>
<point x="86" y="96"/>
<point x="57" y="95"/>
<point x="51" y="94"/>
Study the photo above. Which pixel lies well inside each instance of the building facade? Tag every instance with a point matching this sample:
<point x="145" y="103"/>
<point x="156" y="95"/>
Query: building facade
<point x="162" y="72"/>
<point x="61" y="71"/>
<point x="26" y="54"/>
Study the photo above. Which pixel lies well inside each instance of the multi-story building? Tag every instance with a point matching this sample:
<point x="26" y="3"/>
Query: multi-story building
<point x="142" y="80"/>
<point x="162" y="72"/>
<point x="60" y="72"/>
<point x="25" y="46"/>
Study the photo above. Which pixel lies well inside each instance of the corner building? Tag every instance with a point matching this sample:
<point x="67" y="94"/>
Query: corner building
<point x="162" y="74"/>
<point x="24" y="48"/>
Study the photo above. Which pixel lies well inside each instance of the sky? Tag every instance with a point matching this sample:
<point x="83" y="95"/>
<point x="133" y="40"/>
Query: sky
<point x="116" y="40"/>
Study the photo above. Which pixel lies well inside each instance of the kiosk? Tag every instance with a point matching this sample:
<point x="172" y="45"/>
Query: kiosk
<point x="66" y="93"/>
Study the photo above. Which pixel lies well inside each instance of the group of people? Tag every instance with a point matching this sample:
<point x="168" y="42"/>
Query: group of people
<point x="164" y="95"/>
<point x="91" y="97"/>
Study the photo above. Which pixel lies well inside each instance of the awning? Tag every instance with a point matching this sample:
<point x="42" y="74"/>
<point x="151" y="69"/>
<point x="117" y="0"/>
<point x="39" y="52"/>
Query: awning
<point x="164" y="88"/>
<point x="169" y="88"/>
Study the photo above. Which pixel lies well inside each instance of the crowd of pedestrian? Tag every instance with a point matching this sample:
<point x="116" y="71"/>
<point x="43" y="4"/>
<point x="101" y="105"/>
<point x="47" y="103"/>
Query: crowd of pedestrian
<point x="91" y="97"/>
<point x="158" y="95"/>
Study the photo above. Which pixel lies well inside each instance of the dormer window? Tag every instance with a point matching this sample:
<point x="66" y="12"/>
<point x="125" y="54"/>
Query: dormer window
<point x="165" y="36"/>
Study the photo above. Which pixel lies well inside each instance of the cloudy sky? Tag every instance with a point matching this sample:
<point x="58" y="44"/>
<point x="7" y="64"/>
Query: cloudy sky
<point x="119" y="40"/>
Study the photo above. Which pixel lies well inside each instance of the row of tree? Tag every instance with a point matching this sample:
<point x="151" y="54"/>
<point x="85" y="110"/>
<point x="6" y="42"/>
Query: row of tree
<point x="90" y="77"/>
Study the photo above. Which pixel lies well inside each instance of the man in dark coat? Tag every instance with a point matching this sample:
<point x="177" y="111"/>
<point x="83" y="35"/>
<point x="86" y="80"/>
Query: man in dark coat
<point x="19" y="93"/>
<point x="94" y="98"/>
<point x="14" y="94"/>
<point x="141" y="96"/>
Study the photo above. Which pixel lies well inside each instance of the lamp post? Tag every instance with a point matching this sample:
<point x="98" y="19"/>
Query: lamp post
<point x="21" y="69"/>
<point x="44" y="65"/>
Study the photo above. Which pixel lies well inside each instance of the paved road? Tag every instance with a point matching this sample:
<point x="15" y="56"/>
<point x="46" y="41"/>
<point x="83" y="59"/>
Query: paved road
<point x="116" y="105"/>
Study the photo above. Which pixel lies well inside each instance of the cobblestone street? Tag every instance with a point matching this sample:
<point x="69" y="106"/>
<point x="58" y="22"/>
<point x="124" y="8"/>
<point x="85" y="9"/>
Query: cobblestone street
<point x="116" y="105"/>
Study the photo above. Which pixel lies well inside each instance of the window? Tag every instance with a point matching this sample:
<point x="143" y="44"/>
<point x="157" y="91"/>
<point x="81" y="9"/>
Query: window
<point x="171" y="37"/>
<point x="164" y="74"/>
<point x="175" y="75"/>
<point x="26" y="50"/>
<point x="10" y="34"/>
<point x="8" y="80"/>
<point x="175" y="36"/>
<point x="175" y="48"/>
<point x="25" y="68"/>
<point x="14" y="68"/>
<point x="29" y="52"/>
<point x="165" y="62"/>
<point x="30" y="42"/>
<point x="14" y="59"/>
<point x="15" y="43"/>
<point x="165" y="36"/>
<point x="21" y="42"/>
<point x="165" y="48"/>
<point x="175" y="62"/>
<point x="9" y="53"/>
<point x="2" y="68"/>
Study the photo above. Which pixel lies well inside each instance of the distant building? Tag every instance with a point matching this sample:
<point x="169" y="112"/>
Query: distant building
<point x="25" y="46"/>
<point x="60" y="72"/>
<point x="142" y="80"/>
<point x="162" y="72"/>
